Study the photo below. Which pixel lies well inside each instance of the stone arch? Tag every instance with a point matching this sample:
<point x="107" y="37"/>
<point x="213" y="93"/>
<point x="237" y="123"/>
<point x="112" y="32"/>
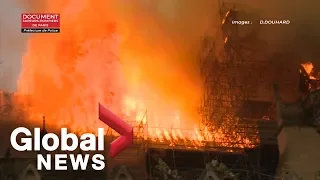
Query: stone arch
<point x="30" y="173"/>
<point x="122" y="177"/>
<point x="123" y="174"/>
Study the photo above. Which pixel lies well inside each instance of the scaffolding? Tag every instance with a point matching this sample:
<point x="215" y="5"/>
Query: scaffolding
<point x="230" y="80"/>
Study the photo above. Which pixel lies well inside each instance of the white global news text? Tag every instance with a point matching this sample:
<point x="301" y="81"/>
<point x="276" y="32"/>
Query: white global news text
<point x="87" y="142"/>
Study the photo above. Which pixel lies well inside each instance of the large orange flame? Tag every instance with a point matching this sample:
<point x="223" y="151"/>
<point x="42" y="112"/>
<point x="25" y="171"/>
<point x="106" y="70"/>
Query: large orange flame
<point x="64" y="76"/>
<point x="308" y="67"/>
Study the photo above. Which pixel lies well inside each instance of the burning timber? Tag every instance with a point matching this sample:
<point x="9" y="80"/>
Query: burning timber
<point x="191" y="156"/>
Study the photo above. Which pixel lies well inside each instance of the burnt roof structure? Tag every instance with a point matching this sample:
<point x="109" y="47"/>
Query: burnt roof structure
<point x="230" y="76"/>
<point x="229" y="101"/>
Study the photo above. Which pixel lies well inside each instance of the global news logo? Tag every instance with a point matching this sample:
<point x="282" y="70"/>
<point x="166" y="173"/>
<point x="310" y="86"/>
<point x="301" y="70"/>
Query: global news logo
<point x="87" y="142"/>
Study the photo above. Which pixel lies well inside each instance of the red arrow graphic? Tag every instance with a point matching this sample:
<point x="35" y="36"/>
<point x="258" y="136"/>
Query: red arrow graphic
<point x="122" y="127"/>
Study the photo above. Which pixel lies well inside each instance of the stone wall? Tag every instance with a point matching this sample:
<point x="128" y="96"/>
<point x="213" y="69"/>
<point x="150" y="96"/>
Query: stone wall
<point x="300" y="149"/>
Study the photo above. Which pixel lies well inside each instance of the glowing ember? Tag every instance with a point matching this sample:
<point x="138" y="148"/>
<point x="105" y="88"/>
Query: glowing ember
<point x="225" y="17"/>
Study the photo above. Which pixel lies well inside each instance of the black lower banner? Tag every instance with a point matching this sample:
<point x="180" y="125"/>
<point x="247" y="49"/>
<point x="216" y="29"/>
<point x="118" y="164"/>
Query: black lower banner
<point x="40" y="30"/>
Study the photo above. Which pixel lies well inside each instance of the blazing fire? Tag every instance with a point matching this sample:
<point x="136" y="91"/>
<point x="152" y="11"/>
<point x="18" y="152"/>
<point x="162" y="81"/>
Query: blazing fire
<point x="64" y="76"/>
<point x="308" y="67"/>
<point x="308" y="71"/>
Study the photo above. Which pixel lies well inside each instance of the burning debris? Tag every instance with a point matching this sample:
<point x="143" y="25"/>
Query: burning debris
<point x="225" y="17"/>
<point x="309" y="79"/>
<point x="310" y="89"/>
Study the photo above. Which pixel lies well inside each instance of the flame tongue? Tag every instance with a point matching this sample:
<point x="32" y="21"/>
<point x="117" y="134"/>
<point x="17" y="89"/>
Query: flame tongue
<point x="312" y="82"/>
<point x="309" y="69"/>
<point x="65" y="75"/>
